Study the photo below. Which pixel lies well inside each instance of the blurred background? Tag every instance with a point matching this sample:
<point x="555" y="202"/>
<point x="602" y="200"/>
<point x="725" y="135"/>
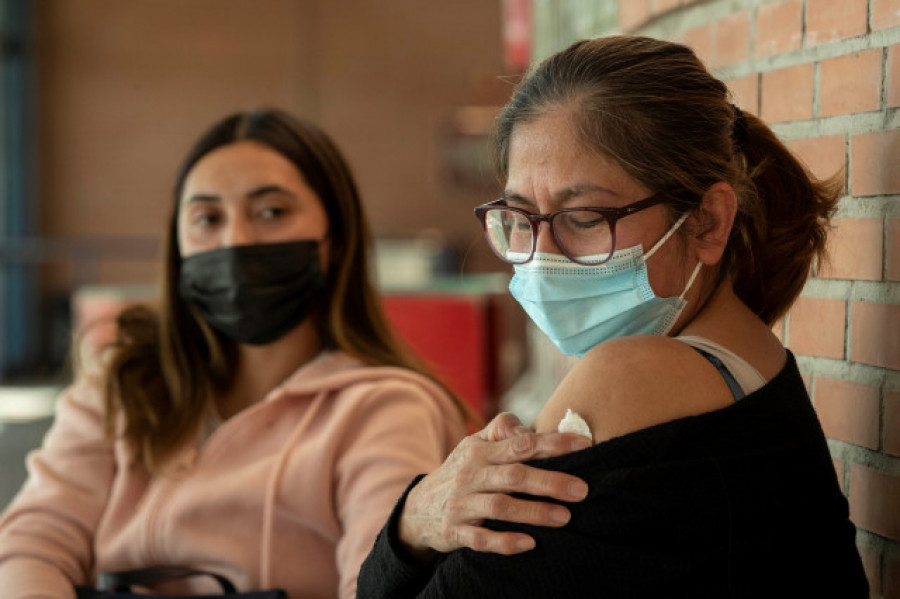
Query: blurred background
<point x="100" y="99"/>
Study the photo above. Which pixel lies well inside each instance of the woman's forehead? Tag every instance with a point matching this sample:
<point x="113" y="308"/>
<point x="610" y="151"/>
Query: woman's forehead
<point x="238" y="164"/>
<point x="546" y="154"/>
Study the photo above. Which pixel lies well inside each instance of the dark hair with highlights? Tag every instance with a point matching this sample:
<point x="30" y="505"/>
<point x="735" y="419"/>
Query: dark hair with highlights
<point x="652" y="106"/>
<point x="168" y="364"/>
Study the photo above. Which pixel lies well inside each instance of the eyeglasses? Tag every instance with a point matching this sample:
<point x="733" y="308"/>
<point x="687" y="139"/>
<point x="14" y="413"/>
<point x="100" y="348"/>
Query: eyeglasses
<point x="585" y="236"/>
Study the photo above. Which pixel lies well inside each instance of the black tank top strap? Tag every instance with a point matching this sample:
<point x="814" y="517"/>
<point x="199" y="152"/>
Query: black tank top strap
<point x="733" y="386"/>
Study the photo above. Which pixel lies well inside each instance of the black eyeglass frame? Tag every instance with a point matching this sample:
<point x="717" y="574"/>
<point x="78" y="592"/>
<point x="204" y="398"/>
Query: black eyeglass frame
<point x="610" y="214"/>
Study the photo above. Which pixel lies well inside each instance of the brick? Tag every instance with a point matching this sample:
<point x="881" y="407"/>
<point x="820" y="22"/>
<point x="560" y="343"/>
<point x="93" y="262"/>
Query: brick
<point x="892" y="422"/>
<point x="732" y="39"/>
<point x="700" y="40"/>
<point x="839" y="471"/>
<point x="828" y="20"/>
<point x="854" y="250"/>
<point x="893" y="249"/>
<point x="874" y="334"/>
<point x="874" y="497"/>
<point x="824" y="156"/>
<point x="787" y="94"/>
<point x="816" y="327"/>
<point x="873" y="163"/>
<point x="745" y="92"/>
<point x="632" y="13"/>
<point x="871" y="561"/>
<point x="893" y="76"/>
<point x="779" y="27"/>
<point x="850" y="83"/>
<point x="885" y="13"/>
<point x="848" y="411"/>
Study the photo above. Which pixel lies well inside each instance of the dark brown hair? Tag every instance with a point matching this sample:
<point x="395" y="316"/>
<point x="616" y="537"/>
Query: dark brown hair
<point x="653" y="107"/>
<point x="168" y="363"/>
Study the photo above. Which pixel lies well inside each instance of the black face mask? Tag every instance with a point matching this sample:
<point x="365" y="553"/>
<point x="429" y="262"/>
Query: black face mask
<point x="254" y="293"/>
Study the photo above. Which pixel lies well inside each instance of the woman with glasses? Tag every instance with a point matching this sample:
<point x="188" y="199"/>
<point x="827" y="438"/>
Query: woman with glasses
<point x="658" y="232"/>
<point x="262" y="421"/>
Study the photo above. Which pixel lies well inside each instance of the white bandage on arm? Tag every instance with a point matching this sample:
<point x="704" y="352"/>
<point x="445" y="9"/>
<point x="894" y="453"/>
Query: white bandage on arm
<point x="573" y="423"/>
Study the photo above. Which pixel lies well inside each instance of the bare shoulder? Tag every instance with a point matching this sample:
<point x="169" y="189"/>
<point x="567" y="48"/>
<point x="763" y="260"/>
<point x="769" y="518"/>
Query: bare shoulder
<point x="631" y="383"/>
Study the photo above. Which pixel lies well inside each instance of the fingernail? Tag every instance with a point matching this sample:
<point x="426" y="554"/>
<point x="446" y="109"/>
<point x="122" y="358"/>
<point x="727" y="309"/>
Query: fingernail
<point x="581" y="443"/>
<point x="578" y="490"/>
<point x="525" y="544"/>
<point x="559" y="515"/>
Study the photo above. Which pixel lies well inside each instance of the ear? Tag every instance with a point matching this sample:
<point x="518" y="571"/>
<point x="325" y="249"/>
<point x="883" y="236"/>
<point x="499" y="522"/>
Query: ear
<point x="712" y="222"/>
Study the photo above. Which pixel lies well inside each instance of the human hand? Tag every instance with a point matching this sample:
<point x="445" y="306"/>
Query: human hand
<point x="446" y="510"/>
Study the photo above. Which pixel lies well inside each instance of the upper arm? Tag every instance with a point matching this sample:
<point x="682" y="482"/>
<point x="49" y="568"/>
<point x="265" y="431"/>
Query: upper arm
<point x="54" y="517"/>
<point x="631" y="383"/>
<point x="399" y="431"/>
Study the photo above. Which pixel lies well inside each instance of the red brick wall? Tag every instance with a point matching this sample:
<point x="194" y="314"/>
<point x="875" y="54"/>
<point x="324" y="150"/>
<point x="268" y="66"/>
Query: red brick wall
<point x="825" y="74"/>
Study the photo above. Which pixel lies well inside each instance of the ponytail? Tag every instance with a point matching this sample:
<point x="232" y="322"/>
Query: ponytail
<point x="781" y="225"/>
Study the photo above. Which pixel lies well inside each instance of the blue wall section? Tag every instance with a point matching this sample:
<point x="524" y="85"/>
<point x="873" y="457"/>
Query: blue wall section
<point x="19" y="291"/>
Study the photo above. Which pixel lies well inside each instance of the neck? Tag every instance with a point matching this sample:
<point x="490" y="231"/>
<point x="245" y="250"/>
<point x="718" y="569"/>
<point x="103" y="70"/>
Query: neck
<point x="261" y="368"/>
<point x="701" y="311"/>
<point x="726" y="320"/>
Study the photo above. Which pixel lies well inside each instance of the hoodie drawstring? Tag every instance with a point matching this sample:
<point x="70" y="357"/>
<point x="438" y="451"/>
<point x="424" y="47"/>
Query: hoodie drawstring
<point x="265" y="560"/>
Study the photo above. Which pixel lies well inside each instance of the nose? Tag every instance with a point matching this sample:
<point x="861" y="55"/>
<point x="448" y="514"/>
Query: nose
<point x="545" y="241"/>
<point x="238" y="232"/>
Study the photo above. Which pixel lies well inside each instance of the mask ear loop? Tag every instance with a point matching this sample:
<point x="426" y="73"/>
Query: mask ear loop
<point x="664" y="239"/>
<point x="691" y="280"/>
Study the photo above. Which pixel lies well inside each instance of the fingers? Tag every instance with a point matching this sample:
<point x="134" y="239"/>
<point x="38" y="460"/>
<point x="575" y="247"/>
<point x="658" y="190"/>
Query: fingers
<point x="446" y="509"/>
<point x="508" y="509"/>
<point x="504" y="426"/>
<point x="482" y="539"/>
<point x="531" y="445"/>
<point x="496" y="506"/>
<point x="522" y="443"/>
<point x="519" y="478"/>
<point x="496" y="467"/>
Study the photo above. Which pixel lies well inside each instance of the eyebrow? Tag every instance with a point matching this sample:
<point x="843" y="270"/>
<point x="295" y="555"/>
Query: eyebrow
<point x="252" y="194"/>
<point x="267" y="189"/>
<point x="202" y="197"/>
<point x="562" y="196"/>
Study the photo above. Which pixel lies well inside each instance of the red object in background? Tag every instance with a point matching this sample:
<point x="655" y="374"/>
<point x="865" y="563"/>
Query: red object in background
<point x="517" y="33"/>
<point x="455" y="334"/>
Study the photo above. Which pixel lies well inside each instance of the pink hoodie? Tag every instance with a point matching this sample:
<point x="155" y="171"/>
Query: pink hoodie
<point x="288" y="493"/>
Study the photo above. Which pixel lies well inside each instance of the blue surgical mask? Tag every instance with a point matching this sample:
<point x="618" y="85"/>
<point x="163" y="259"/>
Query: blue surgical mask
<point x="579" y="306"/>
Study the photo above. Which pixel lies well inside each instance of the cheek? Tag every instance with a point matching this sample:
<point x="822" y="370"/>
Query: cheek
<point x="627" y="238"/>
<point x="659" y="281"/>
<point x="667" y="271"/>
<point x="189" y="245"/>
<point x="306" y="224"/>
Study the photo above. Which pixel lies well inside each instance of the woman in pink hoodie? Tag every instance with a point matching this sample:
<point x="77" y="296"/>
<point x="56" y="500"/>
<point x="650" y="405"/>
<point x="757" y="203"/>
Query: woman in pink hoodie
<point x="261" y="423"/>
